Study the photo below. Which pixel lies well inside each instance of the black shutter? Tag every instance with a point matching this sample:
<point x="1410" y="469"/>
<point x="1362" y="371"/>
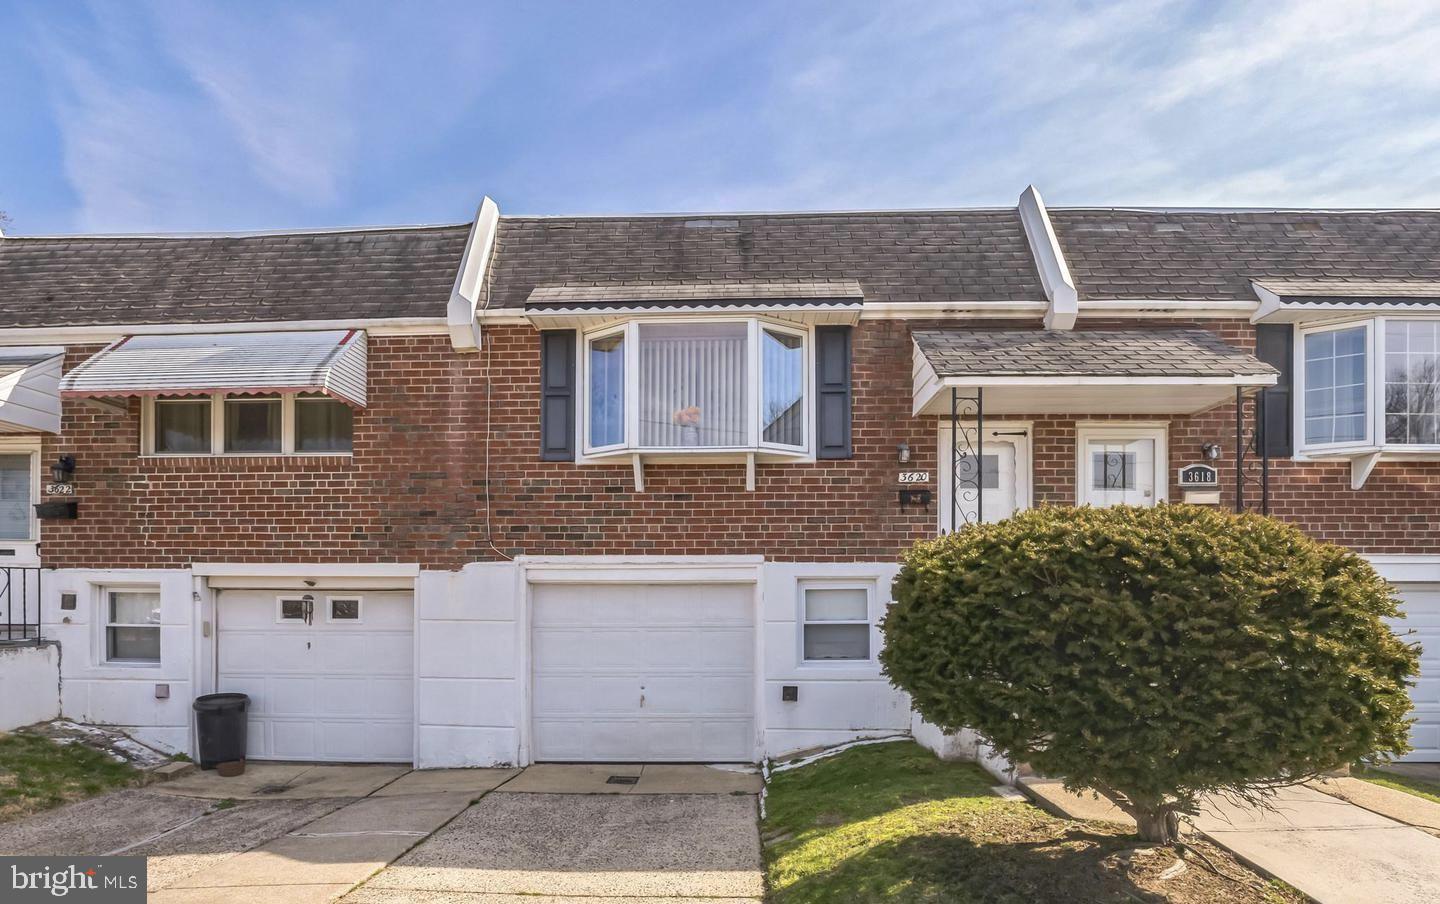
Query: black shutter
<point x="1275" y="345"/>
<point x="557" y="395"/>
<point x="832" y="389"/>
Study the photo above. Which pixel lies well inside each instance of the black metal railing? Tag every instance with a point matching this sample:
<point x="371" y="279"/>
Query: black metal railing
<point x="1252" y="455"/>
<point x="19" y="604"/>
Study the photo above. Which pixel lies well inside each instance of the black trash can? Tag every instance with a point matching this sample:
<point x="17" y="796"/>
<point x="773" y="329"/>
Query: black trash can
<point x="220" y="722"/>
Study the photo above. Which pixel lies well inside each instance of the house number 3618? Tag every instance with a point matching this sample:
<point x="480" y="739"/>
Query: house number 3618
<point x="914" y="476"/>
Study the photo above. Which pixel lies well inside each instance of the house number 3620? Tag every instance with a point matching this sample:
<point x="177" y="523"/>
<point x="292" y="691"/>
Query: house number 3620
<point x="914" y="476"/>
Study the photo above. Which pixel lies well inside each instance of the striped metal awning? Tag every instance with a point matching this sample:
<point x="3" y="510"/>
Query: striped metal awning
<point x="326" y="361"/>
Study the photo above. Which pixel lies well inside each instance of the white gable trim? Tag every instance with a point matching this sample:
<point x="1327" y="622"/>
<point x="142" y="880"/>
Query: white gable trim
<point x="470" y="281"/>
<point x="1050" y="261"/>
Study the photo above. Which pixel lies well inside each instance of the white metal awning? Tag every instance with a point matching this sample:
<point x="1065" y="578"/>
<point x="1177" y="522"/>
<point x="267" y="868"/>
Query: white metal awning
<point x="30" y="389"/>
<point x="587" y="307"/>
<point x="326" y="361"/>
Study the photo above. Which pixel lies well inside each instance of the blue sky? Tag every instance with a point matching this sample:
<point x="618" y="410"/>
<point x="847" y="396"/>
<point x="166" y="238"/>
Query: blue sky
<point x="162" y="116"/>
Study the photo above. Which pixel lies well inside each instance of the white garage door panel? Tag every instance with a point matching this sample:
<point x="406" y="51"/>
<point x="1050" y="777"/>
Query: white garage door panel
<point x="1422" y="624"/>
<point x="643" y="673"/>
<point x="340" y="691"/>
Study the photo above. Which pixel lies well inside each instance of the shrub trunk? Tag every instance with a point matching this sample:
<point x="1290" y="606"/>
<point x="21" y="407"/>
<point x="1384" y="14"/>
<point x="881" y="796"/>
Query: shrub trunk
<point x="1158" y="826"/>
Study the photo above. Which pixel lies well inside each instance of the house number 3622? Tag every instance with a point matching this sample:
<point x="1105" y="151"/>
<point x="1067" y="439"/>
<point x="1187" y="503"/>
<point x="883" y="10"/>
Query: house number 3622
<point x="914" y="476"/>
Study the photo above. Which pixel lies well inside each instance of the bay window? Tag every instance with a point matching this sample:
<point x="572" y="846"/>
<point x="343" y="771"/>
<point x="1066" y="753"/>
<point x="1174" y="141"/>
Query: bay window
<point x="690" y="385"/>
<point x="1372" y="385"/>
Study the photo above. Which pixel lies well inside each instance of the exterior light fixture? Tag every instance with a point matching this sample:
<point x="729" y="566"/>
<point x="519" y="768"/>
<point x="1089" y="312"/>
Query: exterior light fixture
<point x="1211" y="450"/>
<point x="63" y="469"/>
<point x="902" y="453"/>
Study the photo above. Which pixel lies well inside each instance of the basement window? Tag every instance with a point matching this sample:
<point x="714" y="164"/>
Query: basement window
<point x="132" y="626"/>
<point x="835" y="622"/>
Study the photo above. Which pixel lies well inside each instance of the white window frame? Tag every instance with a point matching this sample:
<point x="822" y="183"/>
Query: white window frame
<point x="1122" y="431"/>
<point x="630" y="442"/>
<point x="103" y="624"/>
<point x="280" y="602"/>
<point x="25" y="551"/>
<point x="359" y="609"/>
<point x="217" y="428"/>
<point x="1374" y="441"/>
<point x="871" y="621"/>
<point x="1371" y="375"/>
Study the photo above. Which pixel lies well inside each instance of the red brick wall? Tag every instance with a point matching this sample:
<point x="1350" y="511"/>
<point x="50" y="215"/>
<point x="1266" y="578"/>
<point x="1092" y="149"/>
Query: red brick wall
<point x="415" y="490"/>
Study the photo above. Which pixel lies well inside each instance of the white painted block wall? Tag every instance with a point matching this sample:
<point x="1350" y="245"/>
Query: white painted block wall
<point x="29" y="685"/>
<point x="467" y="682"/>
<point x="124" y="696"/>
<point x="837" y="702"/>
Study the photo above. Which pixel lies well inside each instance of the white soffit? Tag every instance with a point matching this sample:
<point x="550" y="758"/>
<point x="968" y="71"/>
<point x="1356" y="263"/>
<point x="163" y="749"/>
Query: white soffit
<point x="332" y="362"/>
<point x="465" y="297"/>
<point x="1049" y="261"/>
<point x="30" y="389"/>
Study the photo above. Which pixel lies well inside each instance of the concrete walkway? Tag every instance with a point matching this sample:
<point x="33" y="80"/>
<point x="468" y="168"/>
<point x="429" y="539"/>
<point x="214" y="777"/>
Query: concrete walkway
<point x="1334" y="851"/>
<point x="1330" y="849"/>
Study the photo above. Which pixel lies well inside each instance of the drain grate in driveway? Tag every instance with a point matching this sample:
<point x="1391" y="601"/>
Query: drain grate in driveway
<point x="622" y="780"/>
<point x="272" y="789"/>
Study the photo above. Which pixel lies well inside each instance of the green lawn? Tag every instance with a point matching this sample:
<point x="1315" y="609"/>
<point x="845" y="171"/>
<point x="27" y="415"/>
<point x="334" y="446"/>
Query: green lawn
<point x="37" y="774"/>
<point x="1416" y="786"/>
<point x="891" y="823"/>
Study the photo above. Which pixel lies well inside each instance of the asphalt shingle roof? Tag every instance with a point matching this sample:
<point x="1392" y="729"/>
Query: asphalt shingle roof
<point x="1214" y="255"/>
<point x="1092" y="353"/>
<point x="977" y="255"/>
<point x="73" y="281"/>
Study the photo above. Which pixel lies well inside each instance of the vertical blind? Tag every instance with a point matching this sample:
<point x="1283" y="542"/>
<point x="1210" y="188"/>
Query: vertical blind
<point x="694" y="386"/>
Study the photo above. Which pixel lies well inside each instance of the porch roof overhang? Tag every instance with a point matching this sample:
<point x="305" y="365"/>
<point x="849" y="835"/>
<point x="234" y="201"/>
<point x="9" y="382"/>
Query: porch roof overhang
<point x="1309" y="300"/>
<point x="30" y="389"/>
<point x="1084" y="372"/>
<point x="332" y="362"/>
<point x="587" y="307"/>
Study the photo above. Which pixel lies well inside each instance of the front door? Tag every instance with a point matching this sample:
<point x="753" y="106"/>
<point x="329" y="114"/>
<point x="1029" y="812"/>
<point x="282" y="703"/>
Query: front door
<point x="1118" y="470"/>
<point x="1004" y="476"/>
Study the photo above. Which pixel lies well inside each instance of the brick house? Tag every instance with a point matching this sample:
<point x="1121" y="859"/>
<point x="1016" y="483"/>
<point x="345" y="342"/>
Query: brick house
<point x="633" y="488"/>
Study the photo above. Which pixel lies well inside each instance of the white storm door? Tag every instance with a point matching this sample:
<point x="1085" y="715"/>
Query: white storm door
<point x="1421" y="624"/>
<point x="331" y="689"/>
<point x="643" y="672"/>
<point x="1119" y="471"/>
<point x="1005" y="478"/>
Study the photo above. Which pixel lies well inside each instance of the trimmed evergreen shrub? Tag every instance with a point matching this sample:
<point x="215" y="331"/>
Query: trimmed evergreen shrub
<point x="1153" y="654"/>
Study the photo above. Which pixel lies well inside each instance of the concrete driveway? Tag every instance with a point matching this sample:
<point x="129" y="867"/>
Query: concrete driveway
<point x="310" y="834"/>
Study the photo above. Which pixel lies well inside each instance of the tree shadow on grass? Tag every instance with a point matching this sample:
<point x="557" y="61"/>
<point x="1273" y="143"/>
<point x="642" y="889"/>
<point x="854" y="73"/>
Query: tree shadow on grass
<point x="1076" y="866"/>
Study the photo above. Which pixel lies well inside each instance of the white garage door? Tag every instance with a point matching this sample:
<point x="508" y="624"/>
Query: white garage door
<point x="643" y="673"/>
<point x="1422" y="617"/>
<point x="338" y="685"/>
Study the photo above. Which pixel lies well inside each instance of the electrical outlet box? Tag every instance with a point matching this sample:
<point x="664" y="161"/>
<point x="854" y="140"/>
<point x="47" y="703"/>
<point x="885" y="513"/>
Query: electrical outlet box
<point x="162" y="692"/>
<point x="789" y="693"/>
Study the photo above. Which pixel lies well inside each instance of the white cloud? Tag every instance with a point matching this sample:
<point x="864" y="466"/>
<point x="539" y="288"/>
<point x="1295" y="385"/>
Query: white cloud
<point x="286" y="84"/>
